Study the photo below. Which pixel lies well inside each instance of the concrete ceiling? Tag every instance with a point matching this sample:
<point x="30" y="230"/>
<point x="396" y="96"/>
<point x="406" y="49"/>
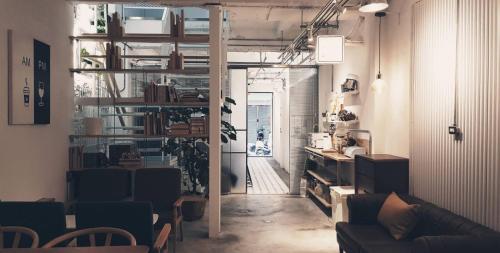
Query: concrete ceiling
<point x="255" y="23"/>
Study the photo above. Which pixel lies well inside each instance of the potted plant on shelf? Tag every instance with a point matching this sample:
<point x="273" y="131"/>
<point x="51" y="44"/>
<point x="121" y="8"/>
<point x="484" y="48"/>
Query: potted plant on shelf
<point x="192" y="157"/>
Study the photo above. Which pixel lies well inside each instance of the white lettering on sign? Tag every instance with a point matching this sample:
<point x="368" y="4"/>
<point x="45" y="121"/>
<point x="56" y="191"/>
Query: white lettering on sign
<point x="26" y="61"/>
<point x="42" y="65"/>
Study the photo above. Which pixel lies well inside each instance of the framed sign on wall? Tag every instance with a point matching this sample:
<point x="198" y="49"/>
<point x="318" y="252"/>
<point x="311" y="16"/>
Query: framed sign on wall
<point x="28" y="80"/>
<point x="329" y="49"/>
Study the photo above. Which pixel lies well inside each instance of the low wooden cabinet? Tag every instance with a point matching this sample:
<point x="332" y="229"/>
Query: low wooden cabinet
<point x="381" y="174"/>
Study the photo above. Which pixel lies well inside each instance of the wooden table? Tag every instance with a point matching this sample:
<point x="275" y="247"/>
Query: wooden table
<point x="113" y="249"/>
<point x="71" y="221"/>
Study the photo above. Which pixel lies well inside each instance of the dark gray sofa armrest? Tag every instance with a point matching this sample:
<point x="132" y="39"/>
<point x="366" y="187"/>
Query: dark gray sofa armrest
<point x="364" y="208"/>
<point x="456" y="244"/>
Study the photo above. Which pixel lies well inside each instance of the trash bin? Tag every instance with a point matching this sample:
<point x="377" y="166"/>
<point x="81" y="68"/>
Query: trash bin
<point x="339" y="195"/>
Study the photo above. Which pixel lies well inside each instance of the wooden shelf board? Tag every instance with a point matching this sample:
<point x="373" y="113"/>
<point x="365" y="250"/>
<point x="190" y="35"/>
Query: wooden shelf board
<point x="187" y="71"/>
<point x="135" y="102"/>
<point x="322" y="178"/>
<point x="350" y="93"/>
<point x="145" y="38"/>
<point x="322" y="200"/>
<point x="138" y="136"/>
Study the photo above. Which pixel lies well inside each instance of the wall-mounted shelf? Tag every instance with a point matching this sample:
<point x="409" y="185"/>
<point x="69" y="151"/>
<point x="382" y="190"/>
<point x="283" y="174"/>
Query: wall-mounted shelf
<point x="187" y="71"/>
<point x="350" y="93"/>
<point x="133" y="102"/>
<point x="346" y="123"/>
<point x="145" y="38"/>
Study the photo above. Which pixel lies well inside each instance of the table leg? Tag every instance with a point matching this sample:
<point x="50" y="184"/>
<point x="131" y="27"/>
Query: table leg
<point x="339" y="178"/>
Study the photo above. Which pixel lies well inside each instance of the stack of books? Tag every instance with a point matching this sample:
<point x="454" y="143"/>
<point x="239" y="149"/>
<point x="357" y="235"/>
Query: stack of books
<point x="177" y="25"/>
<point x="160" y="94"/>
<point x="113" y="57"/>
<point x="115" y="29"/>
<point x="179" y="129"/>
<point x="176" y="61"/>
<point x="191" y="96"/>
<point x="76" y="158"/>
<point x="155" y="123"/>
<point x="199" y="125"/>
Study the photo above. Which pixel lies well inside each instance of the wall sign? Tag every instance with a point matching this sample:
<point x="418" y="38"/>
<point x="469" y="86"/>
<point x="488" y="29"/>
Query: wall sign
<point x="28" y="80"/>
<point x="329" y="49"/>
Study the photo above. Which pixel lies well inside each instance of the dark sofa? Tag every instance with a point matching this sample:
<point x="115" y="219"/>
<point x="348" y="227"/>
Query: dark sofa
<point x="438" y="230"/>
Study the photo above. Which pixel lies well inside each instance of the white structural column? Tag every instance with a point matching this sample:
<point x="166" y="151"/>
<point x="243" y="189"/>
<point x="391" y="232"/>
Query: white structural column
<point x="215" y="119"/>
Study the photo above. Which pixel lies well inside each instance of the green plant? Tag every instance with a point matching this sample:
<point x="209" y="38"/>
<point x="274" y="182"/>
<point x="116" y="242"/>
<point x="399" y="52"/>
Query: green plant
<point x="192" y="154"/>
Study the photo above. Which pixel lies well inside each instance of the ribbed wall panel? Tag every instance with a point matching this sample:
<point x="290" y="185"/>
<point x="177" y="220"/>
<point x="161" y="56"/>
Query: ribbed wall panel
<point x="463" y="176"/>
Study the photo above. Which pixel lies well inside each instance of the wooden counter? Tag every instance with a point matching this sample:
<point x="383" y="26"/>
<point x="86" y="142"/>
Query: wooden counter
<point x="330" y="155"/>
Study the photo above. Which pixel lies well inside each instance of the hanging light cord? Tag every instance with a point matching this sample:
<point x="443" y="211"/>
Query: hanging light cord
<point x="379" y="46"/>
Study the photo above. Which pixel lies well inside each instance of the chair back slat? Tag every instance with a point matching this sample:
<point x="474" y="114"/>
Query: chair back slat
<point x="17" y="239"/>
<point x="91" y="233"/>
<point x="1" y="238"/>
<point x="108" y="239"/>
<point x="18" y="232"/>
<point x="92" y="240"/>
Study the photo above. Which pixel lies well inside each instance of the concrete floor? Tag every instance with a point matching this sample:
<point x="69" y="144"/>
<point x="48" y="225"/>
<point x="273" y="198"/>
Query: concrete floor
<point x="260" y="223"/>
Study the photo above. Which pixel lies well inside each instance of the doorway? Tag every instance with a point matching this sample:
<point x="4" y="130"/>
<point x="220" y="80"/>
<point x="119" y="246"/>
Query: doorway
<point x="260" y="124"/>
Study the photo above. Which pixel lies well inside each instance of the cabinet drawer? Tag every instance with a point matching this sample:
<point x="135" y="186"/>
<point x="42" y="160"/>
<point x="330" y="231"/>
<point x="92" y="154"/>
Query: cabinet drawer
<point x="365" y="184"/>
<point x="365" y="167"/>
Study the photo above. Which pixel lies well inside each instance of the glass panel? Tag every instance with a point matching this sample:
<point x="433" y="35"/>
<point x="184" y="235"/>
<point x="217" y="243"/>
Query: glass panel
<point x="303" y="111"/>
<point x="238" y="172"/>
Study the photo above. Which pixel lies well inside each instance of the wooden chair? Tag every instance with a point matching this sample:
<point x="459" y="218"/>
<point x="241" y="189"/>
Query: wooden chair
<point x="162" y="187"/>
<point x="134" y="217"/>
<point x="47" y="219"/>
<point x="18" y="232"/>
<point x="91" y="233"/>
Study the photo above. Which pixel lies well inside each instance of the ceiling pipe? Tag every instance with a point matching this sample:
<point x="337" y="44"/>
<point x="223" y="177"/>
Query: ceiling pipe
<point x="332" y="8"/>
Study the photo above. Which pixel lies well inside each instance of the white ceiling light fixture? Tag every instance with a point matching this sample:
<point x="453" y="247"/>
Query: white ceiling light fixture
<point x="374" y="6"/>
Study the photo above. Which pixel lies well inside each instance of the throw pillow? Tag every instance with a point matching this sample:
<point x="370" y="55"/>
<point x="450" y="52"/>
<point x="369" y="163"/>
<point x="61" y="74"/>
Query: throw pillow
<point x="397" y="216"/>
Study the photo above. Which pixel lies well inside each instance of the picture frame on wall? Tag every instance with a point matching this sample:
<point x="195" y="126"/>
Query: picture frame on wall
<point x="28" y="80"/>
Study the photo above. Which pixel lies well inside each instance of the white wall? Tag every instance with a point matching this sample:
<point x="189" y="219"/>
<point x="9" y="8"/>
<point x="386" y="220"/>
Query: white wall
<point x="387" y="113"/>
<point x="33" y="159"/>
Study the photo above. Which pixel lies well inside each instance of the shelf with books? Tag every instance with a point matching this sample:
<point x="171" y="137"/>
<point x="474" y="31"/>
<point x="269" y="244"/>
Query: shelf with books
<point x="136" y="136"/>
<point x="186" y="71"/>
<point x="134" y="102"/>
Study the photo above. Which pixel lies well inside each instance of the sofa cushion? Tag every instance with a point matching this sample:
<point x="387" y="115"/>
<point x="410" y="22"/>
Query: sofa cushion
<point x="357" y="236"/>
<point x="394" y="247"/>
<point x="397" y="216"/>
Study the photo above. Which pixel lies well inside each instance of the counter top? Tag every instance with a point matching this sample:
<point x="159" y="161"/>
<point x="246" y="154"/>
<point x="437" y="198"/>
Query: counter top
<point x="330" y="155"/>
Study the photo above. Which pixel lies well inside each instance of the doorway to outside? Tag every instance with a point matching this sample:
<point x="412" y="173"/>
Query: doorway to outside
<point x="260" y="124"/>
<point x="263" y="176"/>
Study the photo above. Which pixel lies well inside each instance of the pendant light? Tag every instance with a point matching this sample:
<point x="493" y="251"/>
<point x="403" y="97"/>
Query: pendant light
<point x="379" y="84"/>
<point x="374" y="6"/>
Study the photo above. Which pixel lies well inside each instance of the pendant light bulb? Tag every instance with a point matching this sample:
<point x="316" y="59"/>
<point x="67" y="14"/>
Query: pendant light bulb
<point x="379" y="84"/>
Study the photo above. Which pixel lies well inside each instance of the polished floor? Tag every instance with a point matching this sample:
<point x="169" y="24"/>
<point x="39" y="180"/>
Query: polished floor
<point x="264" y="179"/>
<point x="263" y="224"/>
